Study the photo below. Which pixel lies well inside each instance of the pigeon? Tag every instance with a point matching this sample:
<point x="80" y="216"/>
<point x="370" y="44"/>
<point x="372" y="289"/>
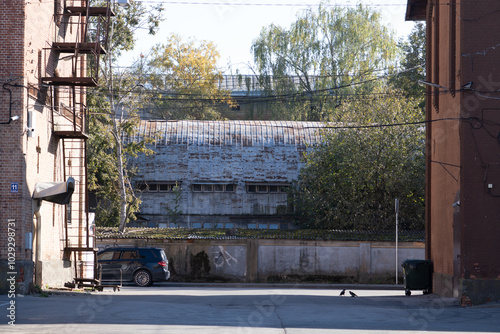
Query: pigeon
<point x="342" y="292"/>
<point x="353" y="294"/>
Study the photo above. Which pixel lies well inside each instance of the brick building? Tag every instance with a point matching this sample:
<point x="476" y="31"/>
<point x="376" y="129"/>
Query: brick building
<point x="44" y="224"/>
<point x="231" y="173"/>
<point x="463" y="131"/>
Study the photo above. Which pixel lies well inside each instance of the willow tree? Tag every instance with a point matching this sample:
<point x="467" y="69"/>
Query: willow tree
<point x="185" y="77"/>
<point x="114" y="116"/>
<point x="325" y="54"/>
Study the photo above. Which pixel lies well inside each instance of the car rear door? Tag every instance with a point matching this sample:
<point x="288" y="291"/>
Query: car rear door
<point x="109" y="265"/>
<point x="129" y="262"/>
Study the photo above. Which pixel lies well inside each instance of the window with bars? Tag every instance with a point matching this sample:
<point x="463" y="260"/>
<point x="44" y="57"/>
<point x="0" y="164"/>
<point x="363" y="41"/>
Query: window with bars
<point x="261" y="188"/>
<point x="213" y="187"/>
<point x="158" y="186"/>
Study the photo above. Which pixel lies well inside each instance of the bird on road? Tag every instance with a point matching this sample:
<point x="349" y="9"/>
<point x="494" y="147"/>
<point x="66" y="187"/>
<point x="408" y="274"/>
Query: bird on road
<point x="352" y="294"/>
<point x="342" y="292"/>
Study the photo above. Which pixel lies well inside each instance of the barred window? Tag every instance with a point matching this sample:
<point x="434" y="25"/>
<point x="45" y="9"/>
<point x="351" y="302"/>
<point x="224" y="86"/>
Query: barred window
<point x="213" y="187"/>
<point x="263" y="188"/>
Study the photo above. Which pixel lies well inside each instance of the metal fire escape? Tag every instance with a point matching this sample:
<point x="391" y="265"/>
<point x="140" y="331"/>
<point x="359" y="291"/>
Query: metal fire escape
<point x="72" y="64"/>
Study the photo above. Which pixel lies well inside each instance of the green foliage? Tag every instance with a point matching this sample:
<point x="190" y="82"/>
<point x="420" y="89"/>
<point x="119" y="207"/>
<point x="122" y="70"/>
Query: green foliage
<point x="114" y="117"/>
<point x="308" y="69"/>
<point x="303" y="234"/>
<point x="185" y="75"/>
<point x="173" y="211"/>
<point x="103" y="170"/>
<point x="413" y="63"/>
<point x="353" y="178"/>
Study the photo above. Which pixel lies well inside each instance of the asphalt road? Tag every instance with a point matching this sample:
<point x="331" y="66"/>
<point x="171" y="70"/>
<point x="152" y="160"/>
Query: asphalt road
<point x="218" y="309"/>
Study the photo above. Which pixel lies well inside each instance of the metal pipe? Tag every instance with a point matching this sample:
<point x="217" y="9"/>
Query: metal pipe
<point x="11" y="118"/>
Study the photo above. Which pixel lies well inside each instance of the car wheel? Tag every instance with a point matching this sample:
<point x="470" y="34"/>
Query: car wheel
<point x="143" y="278"/>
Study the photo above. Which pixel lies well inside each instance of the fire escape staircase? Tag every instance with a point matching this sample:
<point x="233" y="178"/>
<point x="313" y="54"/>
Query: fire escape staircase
<point x="71" y="66"/>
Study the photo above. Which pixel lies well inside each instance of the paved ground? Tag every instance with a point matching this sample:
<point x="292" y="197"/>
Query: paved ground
<point x="218" y="309"/>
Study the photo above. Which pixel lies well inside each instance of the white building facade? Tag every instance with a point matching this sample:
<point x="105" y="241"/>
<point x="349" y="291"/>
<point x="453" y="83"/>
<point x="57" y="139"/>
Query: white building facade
<point x="231" y="174"/>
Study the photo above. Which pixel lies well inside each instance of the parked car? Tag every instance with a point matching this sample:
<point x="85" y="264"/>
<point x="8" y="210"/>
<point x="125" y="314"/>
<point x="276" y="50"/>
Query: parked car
<point x="142" y="265"/>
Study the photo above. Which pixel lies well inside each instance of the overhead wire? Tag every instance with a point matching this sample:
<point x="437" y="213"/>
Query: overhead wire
<point x="275" y="97"/>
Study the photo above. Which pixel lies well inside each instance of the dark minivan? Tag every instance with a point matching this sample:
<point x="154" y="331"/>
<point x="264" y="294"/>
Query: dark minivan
<point x="142" y="265"/>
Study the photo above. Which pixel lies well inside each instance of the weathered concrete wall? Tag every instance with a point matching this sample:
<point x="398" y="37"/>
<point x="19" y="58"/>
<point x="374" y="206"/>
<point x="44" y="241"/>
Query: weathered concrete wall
<point x="270" y="260"/>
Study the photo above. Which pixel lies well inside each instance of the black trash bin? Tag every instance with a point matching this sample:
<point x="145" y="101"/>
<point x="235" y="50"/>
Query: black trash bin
<point x="417" y="275"/>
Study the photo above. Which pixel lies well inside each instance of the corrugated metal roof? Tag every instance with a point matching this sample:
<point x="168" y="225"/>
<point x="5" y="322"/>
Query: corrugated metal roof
<point x="244" y="133"/>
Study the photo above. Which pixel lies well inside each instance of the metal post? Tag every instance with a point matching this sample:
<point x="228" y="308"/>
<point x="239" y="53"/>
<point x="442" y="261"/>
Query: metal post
<point x="397" y="214"/>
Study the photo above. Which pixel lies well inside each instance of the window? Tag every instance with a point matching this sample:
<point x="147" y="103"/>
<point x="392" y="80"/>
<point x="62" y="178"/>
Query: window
<point x="146" y="254"/>
<point x="129" y="255"/>
<point x="158" y="186"/>
<point x="165" y="187"/>
<point x="196" y="225"/>
<point x="263" y="188"/>
<point x="106" y="256"/>
<point x="213" y="187"/>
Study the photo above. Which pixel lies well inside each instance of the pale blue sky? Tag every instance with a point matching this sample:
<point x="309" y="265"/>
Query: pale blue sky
<point x="233" y="24"/>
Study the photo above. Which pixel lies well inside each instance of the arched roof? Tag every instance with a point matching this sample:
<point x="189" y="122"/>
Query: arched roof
<point x="224" y="133"/>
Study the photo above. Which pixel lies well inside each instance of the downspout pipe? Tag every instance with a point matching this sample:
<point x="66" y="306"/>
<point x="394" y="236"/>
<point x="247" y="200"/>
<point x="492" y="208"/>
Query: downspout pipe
<point x="11" y="118"/>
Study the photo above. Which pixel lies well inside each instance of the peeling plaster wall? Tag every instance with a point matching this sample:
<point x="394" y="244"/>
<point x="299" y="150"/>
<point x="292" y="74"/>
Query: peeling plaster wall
<point x="230" y="152"/>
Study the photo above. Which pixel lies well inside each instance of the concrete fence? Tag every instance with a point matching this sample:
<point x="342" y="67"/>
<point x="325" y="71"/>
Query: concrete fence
<point x="254" y="260"/>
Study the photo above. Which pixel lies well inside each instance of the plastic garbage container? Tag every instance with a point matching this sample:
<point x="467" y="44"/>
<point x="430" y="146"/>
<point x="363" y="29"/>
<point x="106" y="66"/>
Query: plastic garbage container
<point x="417" y="275"/>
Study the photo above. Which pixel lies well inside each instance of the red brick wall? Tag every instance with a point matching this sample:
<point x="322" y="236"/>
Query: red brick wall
<point x="26" y="29"/>
<point x="12" y="160"/>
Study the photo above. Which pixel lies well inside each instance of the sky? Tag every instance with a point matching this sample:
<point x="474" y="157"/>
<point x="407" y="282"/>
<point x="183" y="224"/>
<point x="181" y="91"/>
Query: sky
<point x="232" y="25"/>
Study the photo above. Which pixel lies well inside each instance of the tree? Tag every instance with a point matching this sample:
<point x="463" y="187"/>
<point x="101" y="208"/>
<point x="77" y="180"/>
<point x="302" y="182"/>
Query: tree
<point x="186" y="79"/>
<point x="413" y="65"/>
<point x="109" y="172"/>
<point x="308" y="69"/>
<point x="350" y="181"/>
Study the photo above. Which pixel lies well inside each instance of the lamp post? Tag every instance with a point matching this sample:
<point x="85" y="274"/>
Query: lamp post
<point x="397" y="223"/>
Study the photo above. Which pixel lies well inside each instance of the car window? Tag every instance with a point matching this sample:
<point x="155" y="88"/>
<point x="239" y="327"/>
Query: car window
<point x="106" y="256"/>
<point x="146" y="254"/>
<point x="116" y="255"/>
<point x="129" y="255"/>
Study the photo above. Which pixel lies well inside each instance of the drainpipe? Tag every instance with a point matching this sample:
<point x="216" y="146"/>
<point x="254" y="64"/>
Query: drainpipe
<point x="37" y="232"/>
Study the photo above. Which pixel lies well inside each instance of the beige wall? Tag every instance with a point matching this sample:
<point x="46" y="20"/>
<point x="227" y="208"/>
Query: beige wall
<point x="268" y="260"/>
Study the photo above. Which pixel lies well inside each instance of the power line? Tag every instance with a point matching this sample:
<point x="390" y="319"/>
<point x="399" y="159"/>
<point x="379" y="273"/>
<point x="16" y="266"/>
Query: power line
<point x="263" y="4"/>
